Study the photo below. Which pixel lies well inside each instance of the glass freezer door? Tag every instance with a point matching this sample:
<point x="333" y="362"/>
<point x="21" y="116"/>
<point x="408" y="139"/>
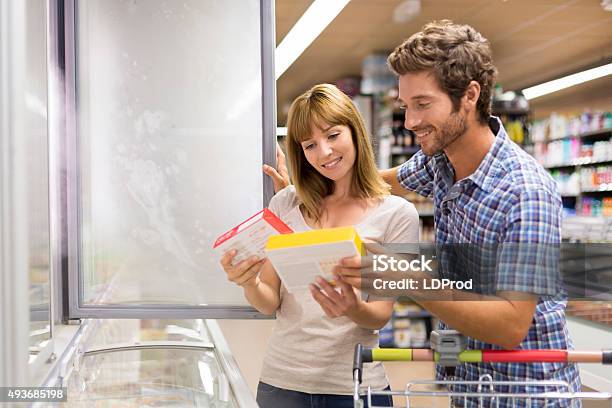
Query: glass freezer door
<point x="169" y="116"/>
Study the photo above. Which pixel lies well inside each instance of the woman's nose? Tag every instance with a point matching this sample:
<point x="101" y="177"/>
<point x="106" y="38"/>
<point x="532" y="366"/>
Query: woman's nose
<point x="326" y="148"/>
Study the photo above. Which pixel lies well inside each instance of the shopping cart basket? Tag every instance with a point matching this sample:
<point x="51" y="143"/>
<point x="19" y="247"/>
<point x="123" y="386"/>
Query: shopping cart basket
<point x="448" y="350"/>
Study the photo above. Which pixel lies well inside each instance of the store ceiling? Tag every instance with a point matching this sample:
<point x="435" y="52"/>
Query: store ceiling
<point x="533" y="40"/>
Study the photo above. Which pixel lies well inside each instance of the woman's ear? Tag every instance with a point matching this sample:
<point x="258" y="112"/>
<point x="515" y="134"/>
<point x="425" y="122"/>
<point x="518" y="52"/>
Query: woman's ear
<point x="470" y="98"/>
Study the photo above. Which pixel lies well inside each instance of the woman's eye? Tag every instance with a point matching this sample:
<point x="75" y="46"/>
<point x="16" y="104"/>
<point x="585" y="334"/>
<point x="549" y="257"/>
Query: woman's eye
<point x="334" y="136"/>
<point x="308" y="146"/>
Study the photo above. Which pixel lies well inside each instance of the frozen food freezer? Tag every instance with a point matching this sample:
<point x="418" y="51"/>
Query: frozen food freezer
<point x="152" y="363"/>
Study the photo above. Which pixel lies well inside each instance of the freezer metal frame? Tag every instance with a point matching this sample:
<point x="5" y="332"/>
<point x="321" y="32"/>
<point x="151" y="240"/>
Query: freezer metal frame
<point x="65" y="180"/>
<point x="18" y="363"/>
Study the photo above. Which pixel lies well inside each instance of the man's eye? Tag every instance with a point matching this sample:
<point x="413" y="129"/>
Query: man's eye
<point x="422" y="105"/>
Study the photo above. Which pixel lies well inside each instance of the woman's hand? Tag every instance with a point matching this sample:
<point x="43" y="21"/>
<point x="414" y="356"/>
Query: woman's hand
<point x="280" y="175"/>
<point x="334" y="303"/>
<point x="245" y="273"/>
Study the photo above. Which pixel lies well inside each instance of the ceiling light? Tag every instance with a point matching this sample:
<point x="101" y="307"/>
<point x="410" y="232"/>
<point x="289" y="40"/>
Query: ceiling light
<point x="566" y="82"/>
<point x="309" y="26"/>
<point x="406" y="11"/>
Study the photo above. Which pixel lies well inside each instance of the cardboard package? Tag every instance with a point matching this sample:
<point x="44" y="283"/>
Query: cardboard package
<point x="300" y="257"/>
<point x="250" y="237"/>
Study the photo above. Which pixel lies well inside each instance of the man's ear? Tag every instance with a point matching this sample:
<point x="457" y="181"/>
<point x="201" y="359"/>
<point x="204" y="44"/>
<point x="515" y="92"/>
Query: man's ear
<point x="470" y="98"/>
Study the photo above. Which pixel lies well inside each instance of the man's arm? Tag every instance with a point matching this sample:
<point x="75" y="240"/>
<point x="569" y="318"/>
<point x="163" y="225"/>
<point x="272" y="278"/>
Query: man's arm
<point x="527" y="264"/>
<point x="390" y="177"/>
<point x="502" y="320"/>
<point x="416" y="175"/>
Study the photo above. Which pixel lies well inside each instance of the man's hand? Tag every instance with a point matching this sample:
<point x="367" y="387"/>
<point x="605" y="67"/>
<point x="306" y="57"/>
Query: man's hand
<point x="335" y="303"/>
<point x="280" y="175"/>
<point x="358" y="271"/>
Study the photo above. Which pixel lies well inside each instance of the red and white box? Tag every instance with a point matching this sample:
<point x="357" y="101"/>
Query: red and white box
<point x="251" y="236"/>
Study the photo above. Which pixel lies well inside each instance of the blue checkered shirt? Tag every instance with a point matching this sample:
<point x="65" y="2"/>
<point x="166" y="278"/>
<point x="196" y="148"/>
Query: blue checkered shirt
<point x="510" y="198"/>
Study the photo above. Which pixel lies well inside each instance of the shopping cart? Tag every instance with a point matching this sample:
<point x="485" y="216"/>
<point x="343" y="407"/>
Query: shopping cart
<point x="448" y="349"/>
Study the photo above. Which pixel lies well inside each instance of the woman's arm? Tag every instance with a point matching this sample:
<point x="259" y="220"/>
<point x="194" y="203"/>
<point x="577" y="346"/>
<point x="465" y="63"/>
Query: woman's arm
<point x="264" y="293"/>
<point x="372" y="315"/>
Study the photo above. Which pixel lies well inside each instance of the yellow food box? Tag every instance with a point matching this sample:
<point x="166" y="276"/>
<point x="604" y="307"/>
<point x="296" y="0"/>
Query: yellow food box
<point x="302" y="256"/>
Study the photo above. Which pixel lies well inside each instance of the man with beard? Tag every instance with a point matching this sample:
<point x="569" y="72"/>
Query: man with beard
<point x="486" y="190"/>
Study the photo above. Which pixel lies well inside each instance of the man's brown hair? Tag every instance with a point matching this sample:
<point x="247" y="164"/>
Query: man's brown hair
<point x="456" y="54"/>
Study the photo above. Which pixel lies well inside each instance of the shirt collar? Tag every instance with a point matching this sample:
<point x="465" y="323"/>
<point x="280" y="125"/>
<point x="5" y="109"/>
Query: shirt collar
<point x="489" y="170"/>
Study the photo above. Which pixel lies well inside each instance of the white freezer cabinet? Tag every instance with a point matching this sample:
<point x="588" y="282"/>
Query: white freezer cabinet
<point x="154" y="363"/>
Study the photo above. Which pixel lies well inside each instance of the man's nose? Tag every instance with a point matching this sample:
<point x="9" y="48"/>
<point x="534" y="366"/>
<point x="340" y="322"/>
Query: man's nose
<point x="411" y="120"/>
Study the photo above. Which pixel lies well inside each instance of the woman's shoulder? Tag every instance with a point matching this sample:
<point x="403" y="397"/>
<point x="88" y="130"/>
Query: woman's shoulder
<point x="396" y="204"/>
<point x="285" y="199"/>
<point x="401" y="220"/>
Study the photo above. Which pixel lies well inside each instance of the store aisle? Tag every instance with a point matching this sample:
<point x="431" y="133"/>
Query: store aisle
<point x="247" y="340"/>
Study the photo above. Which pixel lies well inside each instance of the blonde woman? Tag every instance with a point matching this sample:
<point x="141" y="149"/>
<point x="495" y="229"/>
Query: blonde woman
<point x="309" y="357"/>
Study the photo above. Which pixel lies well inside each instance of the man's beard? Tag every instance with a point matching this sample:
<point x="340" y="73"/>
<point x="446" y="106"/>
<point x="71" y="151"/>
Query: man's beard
<point x="452" y="129"/>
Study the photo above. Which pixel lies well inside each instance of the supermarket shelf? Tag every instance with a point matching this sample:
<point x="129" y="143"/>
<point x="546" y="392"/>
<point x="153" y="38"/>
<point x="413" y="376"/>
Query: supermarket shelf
<point x="601" y="189"/>
<point x="585" y="217"/>
<point x="585" y="135"/>
<point x="560" y="166"/>
<point x="413" y="315"/>
<point x="588" y="162"/>
<point x="579" y="162"/>
<point x="596" y="133"/>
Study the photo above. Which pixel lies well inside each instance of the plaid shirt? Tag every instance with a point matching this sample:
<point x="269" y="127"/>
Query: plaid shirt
<point x="510" y="198"/>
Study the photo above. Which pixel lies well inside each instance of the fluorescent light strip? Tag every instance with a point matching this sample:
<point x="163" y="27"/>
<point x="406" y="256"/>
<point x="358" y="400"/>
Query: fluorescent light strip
<point x="566" y="82"/>
<point x="305" y="31"/>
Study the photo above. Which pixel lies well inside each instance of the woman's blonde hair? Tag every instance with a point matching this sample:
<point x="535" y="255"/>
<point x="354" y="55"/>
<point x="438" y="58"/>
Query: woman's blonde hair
<point x="322" y="106"/>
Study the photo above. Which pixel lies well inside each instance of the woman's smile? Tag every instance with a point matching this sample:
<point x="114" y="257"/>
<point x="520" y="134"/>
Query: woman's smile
<point x="332" y="164"/>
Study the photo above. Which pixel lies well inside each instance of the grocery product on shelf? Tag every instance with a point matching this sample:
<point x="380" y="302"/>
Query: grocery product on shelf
<point x="409" y="326"/>
<point x="577" y="150"/>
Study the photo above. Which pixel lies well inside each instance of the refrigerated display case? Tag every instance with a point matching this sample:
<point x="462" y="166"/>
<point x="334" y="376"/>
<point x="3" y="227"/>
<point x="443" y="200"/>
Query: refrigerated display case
<point x="145" y="103"/>
<point x="151" y="363"/>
